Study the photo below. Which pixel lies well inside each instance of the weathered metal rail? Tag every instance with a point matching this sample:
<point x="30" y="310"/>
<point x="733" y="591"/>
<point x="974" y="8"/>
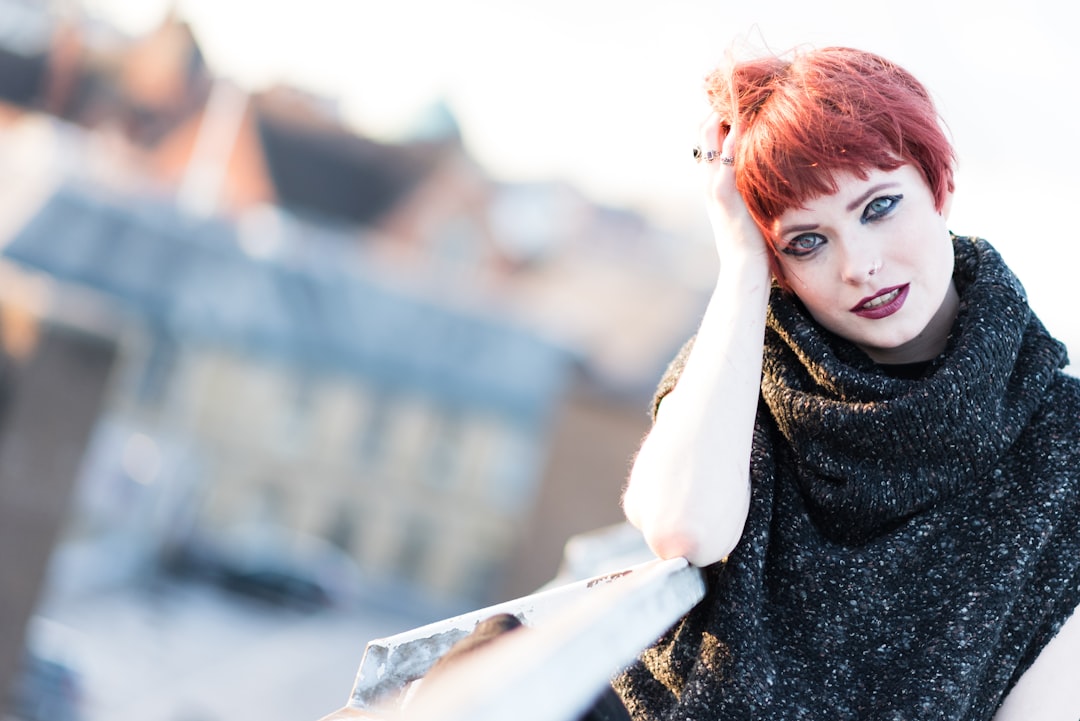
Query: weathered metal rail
<point x="582" y="634"/>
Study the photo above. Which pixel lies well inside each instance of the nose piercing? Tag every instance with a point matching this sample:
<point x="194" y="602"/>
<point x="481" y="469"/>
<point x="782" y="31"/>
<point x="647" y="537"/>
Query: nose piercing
<point x="875" y="268"/>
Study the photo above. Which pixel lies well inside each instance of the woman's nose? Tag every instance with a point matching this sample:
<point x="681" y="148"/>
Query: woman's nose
<point x="860" y="264"/>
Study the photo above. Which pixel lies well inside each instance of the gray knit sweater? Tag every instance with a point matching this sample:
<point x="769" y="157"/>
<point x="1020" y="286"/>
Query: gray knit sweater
<point x="911" y="545"/>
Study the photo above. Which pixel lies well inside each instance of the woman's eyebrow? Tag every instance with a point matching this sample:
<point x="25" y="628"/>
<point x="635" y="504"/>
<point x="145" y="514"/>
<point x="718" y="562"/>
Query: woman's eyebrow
<point x="870" y="191"/>
<point x="798" y="228"/>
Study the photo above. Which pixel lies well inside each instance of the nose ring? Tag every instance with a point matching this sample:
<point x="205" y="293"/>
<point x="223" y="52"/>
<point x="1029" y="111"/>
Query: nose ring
<point x="875" y="268"/>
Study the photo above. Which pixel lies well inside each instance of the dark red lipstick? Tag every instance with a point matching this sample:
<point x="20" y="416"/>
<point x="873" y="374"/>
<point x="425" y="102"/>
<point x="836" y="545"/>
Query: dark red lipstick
<point x="883" y="303"/>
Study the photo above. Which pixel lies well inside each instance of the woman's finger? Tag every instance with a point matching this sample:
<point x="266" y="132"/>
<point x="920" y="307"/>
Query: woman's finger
<point x="712" y="135"/>
<point x="717" y="141"/>
<point x="727" y="149"/>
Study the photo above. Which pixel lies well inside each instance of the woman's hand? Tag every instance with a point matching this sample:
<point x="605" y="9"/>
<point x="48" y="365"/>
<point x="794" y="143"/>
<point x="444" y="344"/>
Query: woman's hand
<point x="734" y="230"/>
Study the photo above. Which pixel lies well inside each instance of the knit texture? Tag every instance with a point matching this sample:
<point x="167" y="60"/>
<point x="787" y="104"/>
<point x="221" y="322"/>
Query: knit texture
<point x="911" y="544"/>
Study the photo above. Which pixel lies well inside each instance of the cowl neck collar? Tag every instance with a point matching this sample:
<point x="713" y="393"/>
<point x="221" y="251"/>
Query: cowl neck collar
<point x="870" y="449"/>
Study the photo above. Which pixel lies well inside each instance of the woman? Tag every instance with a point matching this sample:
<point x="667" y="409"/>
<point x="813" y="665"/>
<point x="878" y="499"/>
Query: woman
<point x="870" y="443"/>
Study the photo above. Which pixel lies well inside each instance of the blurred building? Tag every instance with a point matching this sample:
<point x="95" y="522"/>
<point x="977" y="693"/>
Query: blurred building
<point x="324" y="336"/>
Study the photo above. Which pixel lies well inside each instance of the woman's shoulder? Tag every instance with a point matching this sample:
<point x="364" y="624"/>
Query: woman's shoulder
<point x="1063" y="399"/>
<point x="1050" y="441"/>
<point x="1070" y="378"/>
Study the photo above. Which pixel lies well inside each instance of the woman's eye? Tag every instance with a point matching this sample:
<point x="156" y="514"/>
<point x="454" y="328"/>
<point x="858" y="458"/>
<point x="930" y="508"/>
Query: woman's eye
<point x="880" y="207"/>
<point x="803" y="244"/>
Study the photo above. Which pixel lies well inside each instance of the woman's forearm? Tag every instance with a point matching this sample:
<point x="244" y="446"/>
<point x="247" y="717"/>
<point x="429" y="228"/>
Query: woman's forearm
<point x="689" y="490"/>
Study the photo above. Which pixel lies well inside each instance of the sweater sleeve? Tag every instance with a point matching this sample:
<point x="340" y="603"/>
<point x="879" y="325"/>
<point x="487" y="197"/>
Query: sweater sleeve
<point x="671" y="376"/>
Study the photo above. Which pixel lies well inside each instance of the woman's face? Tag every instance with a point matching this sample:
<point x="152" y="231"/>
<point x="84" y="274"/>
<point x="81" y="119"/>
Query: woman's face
<point x="873" y="263"/>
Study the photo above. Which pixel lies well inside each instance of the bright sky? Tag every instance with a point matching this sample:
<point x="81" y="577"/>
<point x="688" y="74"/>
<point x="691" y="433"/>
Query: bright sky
<point x="606" y="93"/>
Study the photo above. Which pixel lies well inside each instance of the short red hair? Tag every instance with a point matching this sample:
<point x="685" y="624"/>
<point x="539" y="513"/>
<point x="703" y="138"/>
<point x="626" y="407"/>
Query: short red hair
<point x="822" y="112"/>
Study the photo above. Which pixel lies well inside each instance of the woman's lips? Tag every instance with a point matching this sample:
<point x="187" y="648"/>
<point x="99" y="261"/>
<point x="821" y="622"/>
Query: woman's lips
<point x="883" y="304"/>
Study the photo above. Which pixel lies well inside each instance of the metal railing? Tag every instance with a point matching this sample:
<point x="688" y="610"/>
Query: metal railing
<point x="581" y="635"/>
